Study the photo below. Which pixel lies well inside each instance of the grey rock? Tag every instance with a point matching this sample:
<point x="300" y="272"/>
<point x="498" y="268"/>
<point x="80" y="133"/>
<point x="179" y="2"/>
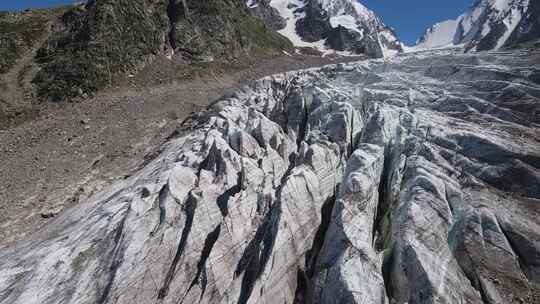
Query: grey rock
<point x="264" y="11"/>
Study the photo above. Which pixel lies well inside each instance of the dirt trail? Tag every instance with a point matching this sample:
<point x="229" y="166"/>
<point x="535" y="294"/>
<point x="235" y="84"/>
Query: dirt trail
<point x="71" y="150"/>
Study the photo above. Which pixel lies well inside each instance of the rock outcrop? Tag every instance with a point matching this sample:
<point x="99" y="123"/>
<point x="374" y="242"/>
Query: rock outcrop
<point x="407" y="180"/>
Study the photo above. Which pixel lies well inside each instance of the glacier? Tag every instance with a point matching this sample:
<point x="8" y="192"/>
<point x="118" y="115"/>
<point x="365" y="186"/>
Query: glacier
<point x="411" y="179"/>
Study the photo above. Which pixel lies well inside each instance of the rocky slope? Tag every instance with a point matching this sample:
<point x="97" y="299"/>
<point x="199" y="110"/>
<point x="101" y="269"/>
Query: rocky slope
<point x="412" y="179"/>
<point x="329" y="26"/>
<point x="87" y="47"/>
<point x="20" y="36"/>
<point x="488" y="25"/>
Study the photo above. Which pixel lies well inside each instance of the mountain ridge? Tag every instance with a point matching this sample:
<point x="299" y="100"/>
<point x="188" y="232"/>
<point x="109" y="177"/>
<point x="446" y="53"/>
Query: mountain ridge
<point x="342" y="26"/>
<point x="487" y="25"/>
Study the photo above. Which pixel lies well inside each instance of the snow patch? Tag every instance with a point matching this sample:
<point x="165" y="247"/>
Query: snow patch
<point x="440" y="34"/>
<point x="346" y="21"/>
<point x="252" y="3"/>
<point x="288" y="11"/>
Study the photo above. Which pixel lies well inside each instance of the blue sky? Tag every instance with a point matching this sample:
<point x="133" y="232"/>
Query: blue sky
<point x="24" y="4"/>
<point x="410" y="18"/>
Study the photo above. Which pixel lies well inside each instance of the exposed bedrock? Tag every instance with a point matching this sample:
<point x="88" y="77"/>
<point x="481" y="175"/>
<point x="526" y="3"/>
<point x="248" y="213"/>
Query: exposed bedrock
<point x="405" y="180"/>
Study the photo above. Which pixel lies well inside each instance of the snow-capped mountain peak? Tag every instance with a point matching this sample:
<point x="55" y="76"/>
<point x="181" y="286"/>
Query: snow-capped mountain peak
<point x="347" y="8"/>
<point x="329" y="26"/>
<point x="487" y="25"/>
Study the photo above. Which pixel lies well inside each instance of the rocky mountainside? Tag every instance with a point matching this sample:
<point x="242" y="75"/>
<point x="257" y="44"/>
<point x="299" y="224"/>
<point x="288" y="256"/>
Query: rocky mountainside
<point x="344" y="26"/>
<point x="488" y="25"/>
<point x="86" y="47"/>
<point x="414" y="179"/>
<point x="20" y="36"/>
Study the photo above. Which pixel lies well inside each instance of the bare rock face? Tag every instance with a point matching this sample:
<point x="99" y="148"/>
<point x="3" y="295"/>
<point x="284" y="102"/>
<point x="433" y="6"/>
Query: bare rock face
<point x="408" y="180"/>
